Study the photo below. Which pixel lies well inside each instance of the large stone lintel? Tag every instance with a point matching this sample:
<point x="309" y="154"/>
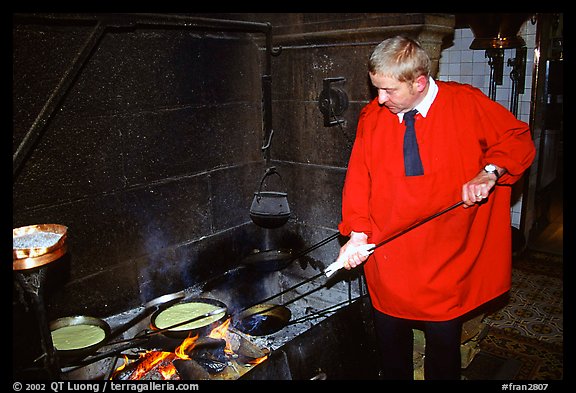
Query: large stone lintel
<point x="300" y="31"/>
<point x="308" y="29"/>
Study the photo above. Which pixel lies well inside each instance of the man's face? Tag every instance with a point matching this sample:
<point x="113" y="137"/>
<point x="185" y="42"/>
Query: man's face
<point x="394" y="95"/>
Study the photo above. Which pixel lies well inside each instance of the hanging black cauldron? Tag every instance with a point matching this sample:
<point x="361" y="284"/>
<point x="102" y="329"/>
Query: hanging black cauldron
<point x="269" y="209"/>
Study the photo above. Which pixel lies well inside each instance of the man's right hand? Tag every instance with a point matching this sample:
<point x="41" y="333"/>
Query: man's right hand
<point x="355" y="251"/>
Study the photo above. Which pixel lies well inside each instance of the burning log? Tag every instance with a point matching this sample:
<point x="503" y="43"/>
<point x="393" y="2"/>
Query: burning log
<point x="249" y="352"/>
<point x="210" y="354"/>
<point x="208" y="344"/>
<point x="213" y="366"/>
<point x="190" y="370"/>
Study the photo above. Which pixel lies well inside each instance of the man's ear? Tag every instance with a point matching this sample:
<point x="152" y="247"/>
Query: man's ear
<point x="421" y="82"/>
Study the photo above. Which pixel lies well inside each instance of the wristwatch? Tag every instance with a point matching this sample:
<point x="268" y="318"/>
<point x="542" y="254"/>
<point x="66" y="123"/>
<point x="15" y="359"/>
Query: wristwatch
<point x="490" y="168"/>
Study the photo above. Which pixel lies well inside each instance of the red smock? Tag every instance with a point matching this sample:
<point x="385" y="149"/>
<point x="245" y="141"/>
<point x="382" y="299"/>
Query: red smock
<point x="461" y="259"/>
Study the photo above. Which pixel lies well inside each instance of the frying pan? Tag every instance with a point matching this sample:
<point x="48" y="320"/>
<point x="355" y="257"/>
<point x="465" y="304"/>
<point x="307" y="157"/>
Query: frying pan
<point x="267" y="318"/>
<point x="181" y="330"/>
<point x="77" y="320"/>
<point x="262" y="319"/>
<point x="269" y="260"/>
<point x="273" y="260"/>
<point x="265" y="261"/>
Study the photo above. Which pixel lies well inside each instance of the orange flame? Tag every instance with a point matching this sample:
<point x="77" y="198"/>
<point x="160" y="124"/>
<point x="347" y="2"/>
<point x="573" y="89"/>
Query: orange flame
<point x="220" y="332"/>
<point x="186" y="346"/>
<point x="259" y="360"/>
<point x="122" y="366"/>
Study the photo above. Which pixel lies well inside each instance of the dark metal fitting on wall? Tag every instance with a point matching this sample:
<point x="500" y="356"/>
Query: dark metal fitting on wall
<point x="518" y="76"/>
<point x="333" y="101"/>
<point x="518" y="64"/>
<point x="496" y="63"/>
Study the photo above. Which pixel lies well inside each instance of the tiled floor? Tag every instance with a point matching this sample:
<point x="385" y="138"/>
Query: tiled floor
<point x="535" y="307"/>
<point x="525" y="338"/>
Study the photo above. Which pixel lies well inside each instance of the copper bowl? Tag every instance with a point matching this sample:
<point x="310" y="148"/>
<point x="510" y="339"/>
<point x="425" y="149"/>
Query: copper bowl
<point x="33" y="253"/>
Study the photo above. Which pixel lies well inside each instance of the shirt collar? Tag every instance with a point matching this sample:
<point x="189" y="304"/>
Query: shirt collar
<point x="424" y="106"/>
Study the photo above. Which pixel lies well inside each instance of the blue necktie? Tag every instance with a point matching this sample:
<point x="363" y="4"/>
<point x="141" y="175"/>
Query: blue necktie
<point x="412" y="162"/>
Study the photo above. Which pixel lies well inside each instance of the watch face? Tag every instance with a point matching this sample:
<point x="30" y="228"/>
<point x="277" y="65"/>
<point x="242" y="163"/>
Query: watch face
<point x="490" y="168"/>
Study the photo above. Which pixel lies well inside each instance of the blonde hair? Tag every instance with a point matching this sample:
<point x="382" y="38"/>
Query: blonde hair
<point x="400" y="57"/>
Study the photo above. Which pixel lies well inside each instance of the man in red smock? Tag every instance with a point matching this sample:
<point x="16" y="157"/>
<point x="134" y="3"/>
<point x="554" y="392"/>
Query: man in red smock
<point x="471" y="150"/>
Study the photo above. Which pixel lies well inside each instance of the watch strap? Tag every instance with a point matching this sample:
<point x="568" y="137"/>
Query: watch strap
<point x="495" y="172"/>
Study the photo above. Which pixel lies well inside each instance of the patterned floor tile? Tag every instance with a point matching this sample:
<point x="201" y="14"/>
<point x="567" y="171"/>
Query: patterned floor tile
<point x="535" y="306"/>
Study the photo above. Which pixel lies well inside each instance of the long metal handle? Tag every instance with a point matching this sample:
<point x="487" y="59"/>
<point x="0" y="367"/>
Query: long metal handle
<point x="209" y="285"/>
<point x="433" y="216"/>
<point x="292" y="259"/>
<point x="284" y="291"/>
<point x="337" y="265"/>
<point x="323" y="312"/>
<point x="315" y="246"/>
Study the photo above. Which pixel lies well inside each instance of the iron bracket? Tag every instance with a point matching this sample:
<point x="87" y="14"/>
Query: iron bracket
<point x="333" y="101"/>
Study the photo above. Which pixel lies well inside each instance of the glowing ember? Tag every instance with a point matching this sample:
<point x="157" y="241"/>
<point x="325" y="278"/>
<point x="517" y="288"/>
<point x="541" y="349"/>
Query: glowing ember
<point x="148" y="362"/>
<point x="259" y="360"/>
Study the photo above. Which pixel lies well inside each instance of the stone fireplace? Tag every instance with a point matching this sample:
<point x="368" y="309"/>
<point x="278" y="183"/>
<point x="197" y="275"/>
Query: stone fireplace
<point x="143" y="135"/>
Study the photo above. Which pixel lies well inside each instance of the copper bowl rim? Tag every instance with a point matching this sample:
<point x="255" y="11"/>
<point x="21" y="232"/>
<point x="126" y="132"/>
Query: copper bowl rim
<point x="28" y="258"/>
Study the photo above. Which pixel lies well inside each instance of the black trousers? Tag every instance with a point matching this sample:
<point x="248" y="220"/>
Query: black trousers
<point x="396" y="343"/>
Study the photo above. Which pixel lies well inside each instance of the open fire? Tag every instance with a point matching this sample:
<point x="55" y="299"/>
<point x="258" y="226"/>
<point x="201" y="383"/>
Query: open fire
<point x="223" y="354"/>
